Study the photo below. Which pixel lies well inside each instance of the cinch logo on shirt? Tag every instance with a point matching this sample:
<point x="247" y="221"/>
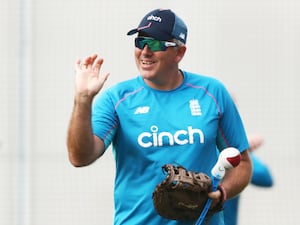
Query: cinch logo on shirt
<point x="159" y="139"/>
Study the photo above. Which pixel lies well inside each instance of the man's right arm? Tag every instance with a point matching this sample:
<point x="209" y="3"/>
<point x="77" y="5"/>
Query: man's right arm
<point x="83" y="147"/>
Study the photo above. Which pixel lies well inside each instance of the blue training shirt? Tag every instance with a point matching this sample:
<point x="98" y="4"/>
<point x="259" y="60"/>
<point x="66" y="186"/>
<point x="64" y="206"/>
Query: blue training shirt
<point x="149" y="128"/>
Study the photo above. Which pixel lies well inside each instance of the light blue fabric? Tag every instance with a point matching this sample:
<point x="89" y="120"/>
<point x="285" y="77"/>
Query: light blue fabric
<point x="149" y="128"/>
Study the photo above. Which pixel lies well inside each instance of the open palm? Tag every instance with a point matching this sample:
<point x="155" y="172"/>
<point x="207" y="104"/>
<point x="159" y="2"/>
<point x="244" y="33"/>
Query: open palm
<point x="88" y="79"/>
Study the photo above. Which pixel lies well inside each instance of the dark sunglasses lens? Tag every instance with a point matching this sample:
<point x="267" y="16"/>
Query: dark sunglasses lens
<point x="153" y="45"/>
<point x="139" y="43"/>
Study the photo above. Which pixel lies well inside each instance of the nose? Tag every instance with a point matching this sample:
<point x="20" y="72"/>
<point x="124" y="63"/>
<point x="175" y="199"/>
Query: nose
<point x="146" y="50"/>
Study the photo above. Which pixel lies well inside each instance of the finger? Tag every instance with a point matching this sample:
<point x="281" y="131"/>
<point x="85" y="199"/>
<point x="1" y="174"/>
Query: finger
<point x="214" y="194"/>
<point x="91" y="60"/>
<point x="98" y="64"/>
<point x="86" y="62"/>
<point x="93" y="57"/>
<point x="104" y="77"/>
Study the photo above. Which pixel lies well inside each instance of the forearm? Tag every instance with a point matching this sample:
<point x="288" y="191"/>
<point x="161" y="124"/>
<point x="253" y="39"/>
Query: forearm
<point x="239" y="177"/>
<point x="80" y="139"/>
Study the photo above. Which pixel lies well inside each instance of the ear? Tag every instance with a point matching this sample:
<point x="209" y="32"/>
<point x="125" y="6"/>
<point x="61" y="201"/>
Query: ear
<point x="180" y="53"/>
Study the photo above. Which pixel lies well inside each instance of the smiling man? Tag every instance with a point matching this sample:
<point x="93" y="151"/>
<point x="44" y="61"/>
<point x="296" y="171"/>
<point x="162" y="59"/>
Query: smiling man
<point x="164" y="115"/>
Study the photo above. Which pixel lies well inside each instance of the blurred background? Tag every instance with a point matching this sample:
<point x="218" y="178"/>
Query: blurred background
<point x="251" y="46"/>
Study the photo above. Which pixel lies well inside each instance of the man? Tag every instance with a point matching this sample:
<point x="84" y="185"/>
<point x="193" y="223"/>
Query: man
<point x="261" y="177"/>
<point x="164" y="115"/>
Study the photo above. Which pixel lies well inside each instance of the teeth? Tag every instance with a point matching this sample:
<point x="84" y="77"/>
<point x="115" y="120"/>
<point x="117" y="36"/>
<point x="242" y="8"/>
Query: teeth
<point x="147" y="62"/>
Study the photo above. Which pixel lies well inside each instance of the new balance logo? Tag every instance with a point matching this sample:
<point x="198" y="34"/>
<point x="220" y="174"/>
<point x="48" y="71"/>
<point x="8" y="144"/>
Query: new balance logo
<point x="142" y="110"/>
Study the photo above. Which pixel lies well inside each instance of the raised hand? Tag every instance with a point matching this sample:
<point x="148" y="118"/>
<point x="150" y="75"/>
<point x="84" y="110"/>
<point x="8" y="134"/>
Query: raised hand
<point x="88" y="79"/>
<point x="255" y="141"/>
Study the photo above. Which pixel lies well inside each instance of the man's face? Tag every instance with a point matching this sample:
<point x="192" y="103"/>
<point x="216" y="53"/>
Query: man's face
<point x="156" y="66"/>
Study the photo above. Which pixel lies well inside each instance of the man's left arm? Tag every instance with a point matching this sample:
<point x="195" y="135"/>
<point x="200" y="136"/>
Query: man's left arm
<point x="235" y="180"/>
<point x="239" y="177"/>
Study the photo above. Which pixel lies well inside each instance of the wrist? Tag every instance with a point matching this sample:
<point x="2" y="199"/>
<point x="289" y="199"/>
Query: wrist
<point x="223" y="192"/>
<point x="83" y="98"/>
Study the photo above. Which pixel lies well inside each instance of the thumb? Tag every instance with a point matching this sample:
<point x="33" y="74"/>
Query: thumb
<point x="215" y="194"/>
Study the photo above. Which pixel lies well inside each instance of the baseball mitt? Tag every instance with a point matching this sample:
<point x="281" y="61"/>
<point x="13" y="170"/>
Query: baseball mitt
<point x="182" y="194"/>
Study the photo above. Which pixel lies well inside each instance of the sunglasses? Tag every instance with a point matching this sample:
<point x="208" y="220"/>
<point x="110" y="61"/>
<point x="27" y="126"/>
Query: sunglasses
<point x="153" y="45"/>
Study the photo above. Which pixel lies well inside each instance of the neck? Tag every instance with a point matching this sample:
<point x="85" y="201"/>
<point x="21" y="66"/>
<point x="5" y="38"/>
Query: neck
<point x="166" y="82"/>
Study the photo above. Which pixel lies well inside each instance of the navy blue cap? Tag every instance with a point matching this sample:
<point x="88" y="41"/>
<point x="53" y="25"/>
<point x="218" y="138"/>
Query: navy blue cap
<point x="163" y="25"/>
